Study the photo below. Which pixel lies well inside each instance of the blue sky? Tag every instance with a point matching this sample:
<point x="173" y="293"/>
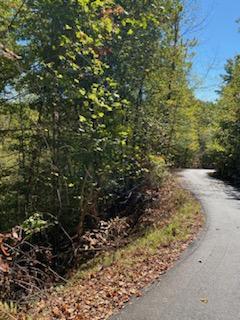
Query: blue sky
<point x="218" y="39"/>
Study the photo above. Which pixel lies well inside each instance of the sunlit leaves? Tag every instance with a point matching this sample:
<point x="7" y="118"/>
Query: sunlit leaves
<point x="105" y="94"/>
<point x="228" y="131"/>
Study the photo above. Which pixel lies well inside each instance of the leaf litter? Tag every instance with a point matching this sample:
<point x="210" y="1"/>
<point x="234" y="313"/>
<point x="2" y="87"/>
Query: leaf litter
<point x="106" y="288"/>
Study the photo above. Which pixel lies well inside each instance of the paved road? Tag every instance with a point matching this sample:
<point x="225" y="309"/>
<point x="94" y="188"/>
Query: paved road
<point x="200" y="291"/>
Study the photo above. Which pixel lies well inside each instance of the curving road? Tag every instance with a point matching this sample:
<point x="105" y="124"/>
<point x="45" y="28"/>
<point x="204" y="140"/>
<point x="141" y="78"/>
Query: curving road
<point x="205" y="284"/>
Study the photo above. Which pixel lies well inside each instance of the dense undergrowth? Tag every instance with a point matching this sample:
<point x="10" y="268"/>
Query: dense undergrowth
<point x="89" y="91"/>
<point x="105" y="283"/>
<point x="95" y="106"/>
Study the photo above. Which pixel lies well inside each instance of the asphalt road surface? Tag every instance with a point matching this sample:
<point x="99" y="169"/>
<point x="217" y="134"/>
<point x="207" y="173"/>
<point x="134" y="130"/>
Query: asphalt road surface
<point x="205" y="284"/>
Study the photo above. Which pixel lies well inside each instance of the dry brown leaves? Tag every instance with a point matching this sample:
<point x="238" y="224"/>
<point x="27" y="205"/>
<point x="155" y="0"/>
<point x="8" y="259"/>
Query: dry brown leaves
<point x="108" y="235"/>
<point x="7" y="243"/>
<point x="107" y="290"/>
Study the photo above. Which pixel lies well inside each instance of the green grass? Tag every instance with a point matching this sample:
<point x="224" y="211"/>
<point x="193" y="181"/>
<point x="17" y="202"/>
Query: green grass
<point x="177" y="229"/>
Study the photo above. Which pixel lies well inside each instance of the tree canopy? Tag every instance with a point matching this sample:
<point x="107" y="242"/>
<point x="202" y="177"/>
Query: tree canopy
<point x="91" y="93"/>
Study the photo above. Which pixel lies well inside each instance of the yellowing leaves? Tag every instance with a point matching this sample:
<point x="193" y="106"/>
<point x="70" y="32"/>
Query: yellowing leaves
<point x="71" y="185"/>
<point x="93" y="96"/>
<point x="130" y="32"/>
<point x="82" y="91"/>
<point x="82" y="118"/>
<point x="108" y="24"/>
<point x="204" y="300"/>
<point x="67" y="27"/>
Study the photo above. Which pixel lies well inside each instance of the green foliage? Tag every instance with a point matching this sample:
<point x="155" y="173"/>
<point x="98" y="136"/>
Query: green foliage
<point x="99" y="88"/>
<point x="228" y="134"/>
<point x="158" y="171"/>
<point x="34" y="224"/>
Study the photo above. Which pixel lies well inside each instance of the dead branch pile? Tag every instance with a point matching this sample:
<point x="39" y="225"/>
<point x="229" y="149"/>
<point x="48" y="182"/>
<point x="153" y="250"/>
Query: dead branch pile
<point x="24" y="268"/>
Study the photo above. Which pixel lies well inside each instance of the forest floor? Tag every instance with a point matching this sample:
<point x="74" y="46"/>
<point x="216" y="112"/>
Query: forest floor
<point x="101" y="288"/>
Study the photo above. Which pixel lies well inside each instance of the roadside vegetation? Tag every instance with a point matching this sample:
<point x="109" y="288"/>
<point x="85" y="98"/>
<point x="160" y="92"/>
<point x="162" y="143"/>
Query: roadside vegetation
<point x="228" y="133"/>
<point x="95" y="109"/>
<point x="105" y="283"/>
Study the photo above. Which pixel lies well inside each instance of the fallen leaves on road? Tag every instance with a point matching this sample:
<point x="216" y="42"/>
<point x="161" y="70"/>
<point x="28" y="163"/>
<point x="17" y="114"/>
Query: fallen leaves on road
<point x="204" y="300"/>
<point x="107" y="288"/>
